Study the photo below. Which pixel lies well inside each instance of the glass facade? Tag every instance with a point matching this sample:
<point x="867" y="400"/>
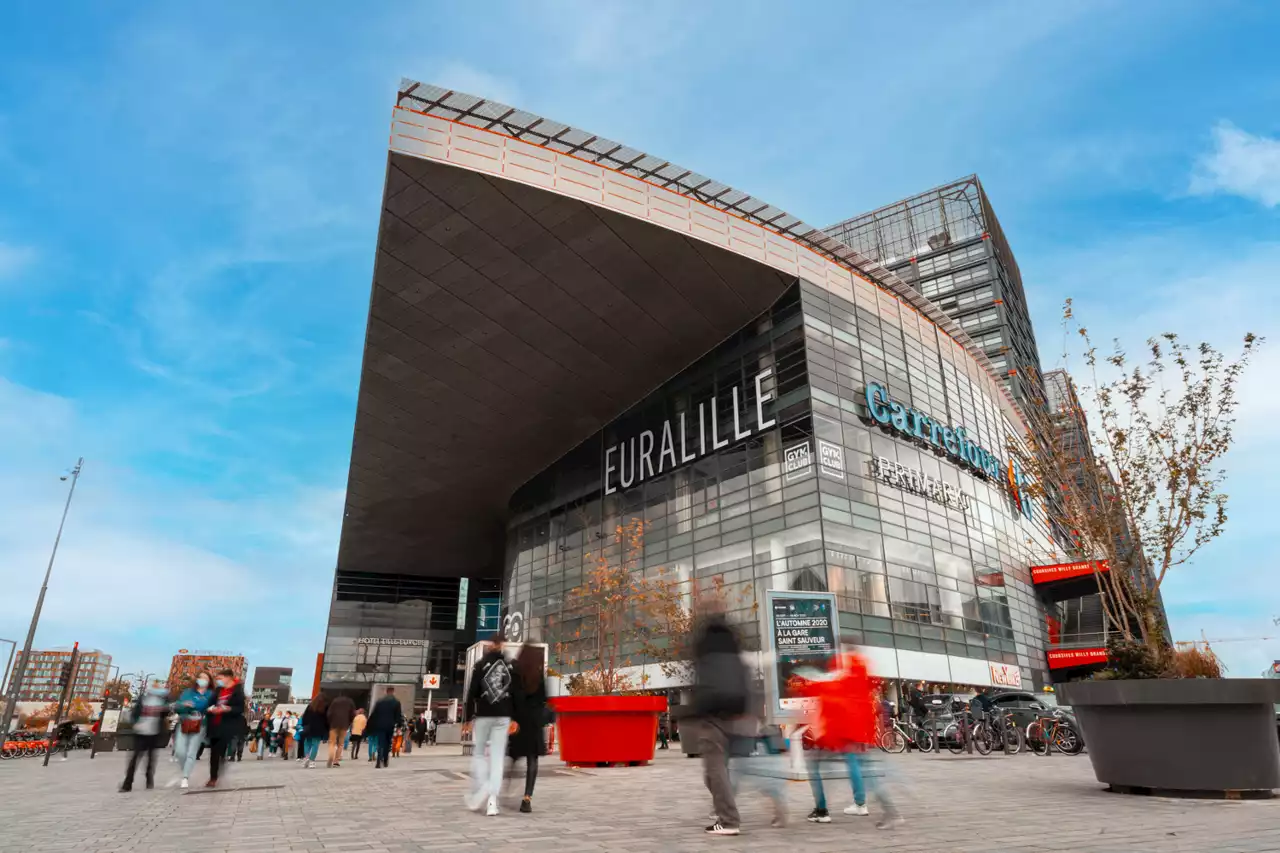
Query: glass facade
<point x="928" y="558"/>
<point x="394" y="628"/>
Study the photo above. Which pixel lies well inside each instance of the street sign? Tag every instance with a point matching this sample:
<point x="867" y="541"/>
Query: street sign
<point x="431" y="681"/>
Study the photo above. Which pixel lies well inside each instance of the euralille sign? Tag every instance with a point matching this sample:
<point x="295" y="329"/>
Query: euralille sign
<point x="680" y="441"/>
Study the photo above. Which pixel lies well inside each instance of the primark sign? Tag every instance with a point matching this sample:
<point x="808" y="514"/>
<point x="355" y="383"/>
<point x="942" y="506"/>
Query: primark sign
<point x="681" y="440"/>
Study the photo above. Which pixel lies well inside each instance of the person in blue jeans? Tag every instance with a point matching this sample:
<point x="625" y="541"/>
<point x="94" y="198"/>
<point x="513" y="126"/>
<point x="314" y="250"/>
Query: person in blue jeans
<point x="190" y="709"/>
<point x="313" y="728"/>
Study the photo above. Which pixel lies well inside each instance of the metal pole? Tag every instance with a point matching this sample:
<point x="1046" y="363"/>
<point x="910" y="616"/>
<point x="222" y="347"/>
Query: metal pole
<point x="67" y="688"/>
<point x="16" y="681"/>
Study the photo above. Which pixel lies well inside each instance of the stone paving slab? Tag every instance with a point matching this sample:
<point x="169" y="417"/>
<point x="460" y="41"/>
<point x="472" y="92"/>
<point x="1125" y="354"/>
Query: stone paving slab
<point x="952" y="805"/>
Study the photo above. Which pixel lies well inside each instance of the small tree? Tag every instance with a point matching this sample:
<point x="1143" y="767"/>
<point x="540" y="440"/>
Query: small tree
<point x="119" y="690"/>
<point x="1150" y="494"/>
<point x="675" y="623"/>
<point x="611" y="616"/>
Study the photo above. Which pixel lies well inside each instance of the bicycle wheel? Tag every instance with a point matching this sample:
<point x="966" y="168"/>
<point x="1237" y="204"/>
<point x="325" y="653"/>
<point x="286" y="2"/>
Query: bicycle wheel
<point x="892" y="741"/>
<point x="923" y="740"/>
<point x="982" y="740"/>
<point x="951" y="737"/>
<point x="1013" y="737"/>
<point x="1067" y="740"/>
<point x="1036" y="739"/>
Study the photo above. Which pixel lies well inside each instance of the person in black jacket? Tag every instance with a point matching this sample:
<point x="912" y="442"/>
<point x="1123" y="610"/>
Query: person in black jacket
<point x="489" y="707"/>
<point x="720" y="699"/>
<point x="150" y="722"/>
<point x="225" y="720"/>
<point x="314" y="728"/>
<point x="383" y="719"/>
<point x="529" y="700"/>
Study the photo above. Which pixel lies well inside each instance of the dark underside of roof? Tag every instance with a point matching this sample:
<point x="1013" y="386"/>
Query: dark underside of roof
<point x="508" y="324"/>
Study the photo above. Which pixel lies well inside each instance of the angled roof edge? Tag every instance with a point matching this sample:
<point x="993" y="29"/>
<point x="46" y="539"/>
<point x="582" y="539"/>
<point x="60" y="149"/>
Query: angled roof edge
<point x="496" y="117"/>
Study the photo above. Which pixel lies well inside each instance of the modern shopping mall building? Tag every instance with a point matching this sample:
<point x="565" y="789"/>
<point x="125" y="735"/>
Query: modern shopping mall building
<point x="566" y="334"/>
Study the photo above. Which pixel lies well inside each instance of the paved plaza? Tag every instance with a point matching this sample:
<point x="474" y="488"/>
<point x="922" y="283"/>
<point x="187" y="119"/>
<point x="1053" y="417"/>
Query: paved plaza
<point x="953" y="804"/>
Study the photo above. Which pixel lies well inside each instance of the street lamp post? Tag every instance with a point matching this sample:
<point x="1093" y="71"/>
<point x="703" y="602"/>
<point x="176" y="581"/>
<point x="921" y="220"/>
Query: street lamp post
<point x="16" y="680"/>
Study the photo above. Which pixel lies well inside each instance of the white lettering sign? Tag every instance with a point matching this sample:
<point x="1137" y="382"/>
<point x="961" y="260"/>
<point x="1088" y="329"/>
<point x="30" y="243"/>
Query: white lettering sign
<point x="388" y="641"/>
<point x="678" y="442"/>
<point x="918" y="483"/>
<point x="831" y="459"/>
<point x="796" y="460"/>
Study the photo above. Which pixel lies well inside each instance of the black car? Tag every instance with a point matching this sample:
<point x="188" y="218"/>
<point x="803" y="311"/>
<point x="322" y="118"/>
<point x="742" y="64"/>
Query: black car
<point x="1026" y="707"/>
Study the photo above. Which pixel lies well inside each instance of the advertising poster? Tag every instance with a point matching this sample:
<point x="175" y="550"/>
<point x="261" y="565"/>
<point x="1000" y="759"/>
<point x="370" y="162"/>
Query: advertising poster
<point x="802" y="631"/>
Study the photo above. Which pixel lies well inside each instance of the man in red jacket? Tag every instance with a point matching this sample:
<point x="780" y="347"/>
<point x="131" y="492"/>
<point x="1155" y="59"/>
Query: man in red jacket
<point x="845" y="728"/>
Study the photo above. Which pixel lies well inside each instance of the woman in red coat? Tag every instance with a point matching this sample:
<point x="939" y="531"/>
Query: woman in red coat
<point x="845" y="728"/>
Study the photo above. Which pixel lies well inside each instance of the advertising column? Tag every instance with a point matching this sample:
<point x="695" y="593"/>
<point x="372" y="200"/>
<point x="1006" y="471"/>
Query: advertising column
<point x="802" y="639"/>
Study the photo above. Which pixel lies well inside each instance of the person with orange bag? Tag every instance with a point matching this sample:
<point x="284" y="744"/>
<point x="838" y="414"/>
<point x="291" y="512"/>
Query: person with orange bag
<point x="844" y="730"/>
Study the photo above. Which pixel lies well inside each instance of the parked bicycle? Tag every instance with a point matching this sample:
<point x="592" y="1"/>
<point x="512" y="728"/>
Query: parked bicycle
<point x="898" y="737"/>
<point x="1054" y="731"/>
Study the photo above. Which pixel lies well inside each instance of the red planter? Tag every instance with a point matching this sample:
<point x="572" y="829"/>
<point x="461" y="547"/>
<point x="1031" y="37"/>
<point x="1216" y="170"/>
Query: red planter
<point x="597" y="730"/>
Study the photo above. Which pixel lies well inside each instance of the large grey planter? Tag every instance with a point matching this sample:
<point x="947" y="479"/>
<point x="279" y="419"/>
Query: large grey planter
<point x="1194" y="737"/>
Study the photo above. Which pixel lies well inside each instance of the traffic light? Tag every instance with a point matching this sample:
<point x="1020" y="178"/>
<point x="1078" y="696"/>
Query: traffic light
<point x="64" y="673"/>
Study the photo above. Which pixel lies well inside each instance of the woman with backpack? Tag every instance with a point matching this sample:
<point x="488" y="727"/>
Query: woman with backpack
<point x="529" y="700"/>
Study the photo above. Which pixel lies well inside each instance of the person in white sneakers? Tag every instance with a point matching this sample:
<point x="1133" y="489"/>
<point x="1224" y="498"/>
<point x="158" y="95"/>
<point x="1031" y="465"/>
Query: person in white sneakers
<point x="489" y="707"/>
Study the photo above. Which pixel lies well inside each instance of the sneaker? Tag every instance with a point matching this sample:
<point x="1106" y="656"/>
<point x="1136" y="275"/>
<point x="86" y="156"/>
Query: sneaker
<point x="493" y="807"/>
<point x="124" y="789"/>
<point x="819" y="816"/>
<point x="890" y="822"/>
<point x="526" y="806"/>
<point x="856" y="809"/>
<point x="719" y="828"/>
<point x="779" y="821"/>
<point x="184" y="784"/>
<point x="476" y="801"/>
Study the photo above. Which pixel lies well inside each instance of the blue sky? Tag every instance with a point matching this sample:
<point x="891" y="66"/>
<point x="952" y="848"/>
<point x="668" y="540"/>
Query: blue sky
<point x="189" y="199"/>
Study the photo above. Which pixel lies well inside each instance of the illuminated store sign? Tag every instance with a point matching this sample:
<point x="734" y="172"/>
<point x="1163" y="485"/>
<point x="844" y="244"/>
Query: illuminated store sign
<point x="388" y="641"/>
<point x="681" y="441"/>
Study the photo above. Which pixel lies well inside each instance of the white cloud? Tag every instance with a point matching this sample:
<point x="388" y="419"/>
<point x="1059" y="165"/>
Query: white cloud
<point x="15" y="259"/>
<point x="1240" y="164"/>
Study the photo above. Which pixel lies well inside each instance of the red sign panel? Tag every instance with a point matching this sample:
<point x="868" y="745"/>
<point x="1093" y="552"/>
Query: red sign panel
<point x="1063" y="658"/>
<point x="1065" y="571"/>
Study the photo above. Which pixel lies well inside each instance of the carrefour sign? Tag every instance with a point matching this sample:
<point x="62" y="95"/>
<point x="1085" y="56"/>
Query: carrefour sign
<point x="954" y="440"/>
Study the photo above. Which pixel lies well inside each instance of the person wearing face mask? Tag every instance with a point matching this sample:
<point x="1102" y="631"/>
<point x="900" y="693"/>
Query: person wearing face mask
<point x="189" y="734"/>
<point x="149" y="714"/>
<point x="225" y="720"/>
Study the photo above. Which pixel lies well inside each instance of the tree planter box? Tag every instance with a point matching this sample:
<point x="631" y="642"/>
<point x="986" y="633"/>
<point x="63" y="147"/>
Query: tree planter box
<point x="595" y="730"/>
<point x="1189" y="737"/>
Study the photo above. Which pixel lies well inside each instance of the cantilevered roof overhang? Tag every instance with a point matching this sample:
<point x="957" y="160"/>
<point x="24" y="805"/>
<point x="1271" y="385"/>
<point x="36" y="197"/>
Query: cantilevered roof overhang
<point x="531" y="283"/>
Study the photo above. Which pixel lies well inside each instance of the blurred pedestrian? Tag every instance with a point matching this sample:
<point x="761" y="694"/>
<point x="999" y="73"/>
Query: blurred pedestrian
<point x="529" y="703"/>
<point x="844" y="731"/>
<point x="264" y="736"/>
<point x="314" y="728"/>
<point x="357" y="732"/>
<point x="149" y="719"/>
<point x="277" y="732"/>
<point x="383" y="720"/>
<point x="419" y="730"/>
<point x="489" y="707"/>
<point x="664" y="731"/>
<point x="224" y="719"/>
<point x="190" y="733"/>
<point x="431" y="730"/>
<point x="66" y="738"/>
<point x="341" y="711"/>
<point x="719" y="701"/>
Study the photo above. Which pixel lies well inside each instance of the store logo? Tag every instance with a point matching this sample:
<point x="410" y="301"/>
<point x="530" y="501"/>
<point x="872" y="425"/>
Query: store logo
<point x="1006" y="675"/>
<point x="831" y="459"/>
<point x="656" y="451"/>
<point x="796" y="460"/>
<point x="915" y="424"/>
<point x="918" y="483"/>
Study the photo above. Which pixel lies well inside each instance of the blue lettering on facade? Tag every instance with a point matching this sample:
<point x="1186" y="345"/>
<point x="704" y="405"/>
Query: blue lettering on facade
<point x="915" y="424"/>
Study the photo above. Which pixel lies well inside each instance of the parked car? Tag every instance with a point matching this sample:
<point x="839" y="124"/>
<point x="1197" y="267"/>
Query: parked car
<point x="1025" y="707"/>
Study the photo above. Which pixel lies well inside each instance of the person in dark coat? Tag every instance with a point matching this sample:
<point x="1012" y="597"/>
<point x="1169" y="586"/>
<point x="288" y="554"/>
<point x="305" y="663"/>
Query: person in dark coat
<point x="225" y="721"/>
<point x="383" y="719"/>
<point x="529" y="700"/>
<point x="314" y="728"/>
<point x="341" y="712"/>
<point x="720" y="699"/>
